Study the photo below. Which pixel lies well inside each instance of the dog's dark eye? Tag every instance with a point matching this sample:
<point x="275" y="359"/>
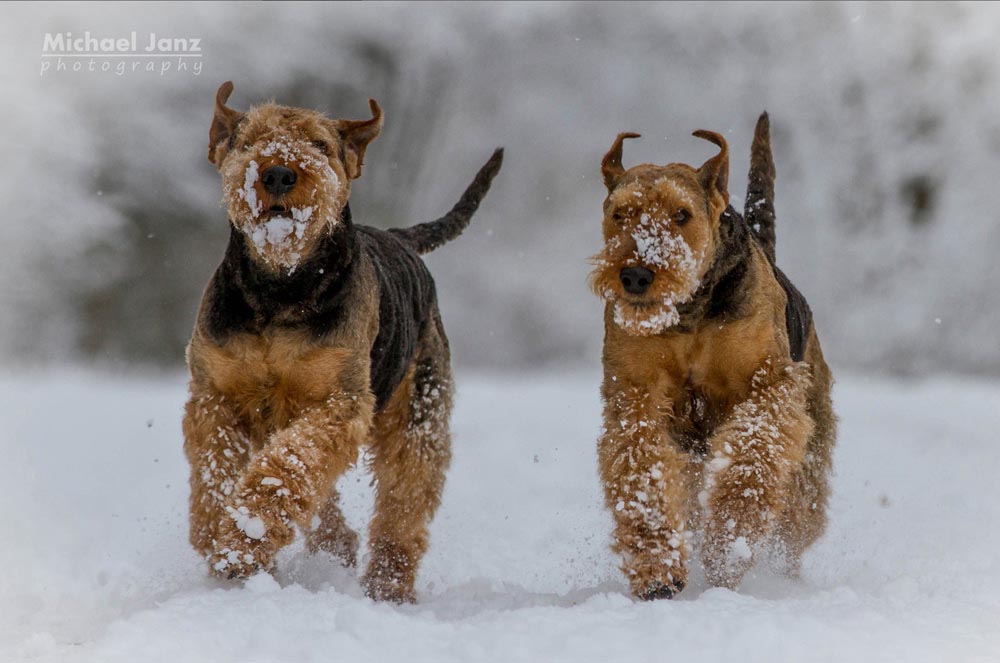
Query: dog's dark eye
<point x="682" y="216"/>
<point x="322" y="146"/>
<point x="617" y="216"/>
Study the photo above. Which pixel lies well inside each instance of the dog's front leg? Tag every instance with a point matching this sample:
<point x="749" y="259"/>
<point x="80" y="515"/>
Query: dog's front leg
<point x="288" y="481"/>
<point x="332" y="533"/>
<point x="755" y="451"/>
<point x="410" y="452"/>
<point x="217" y="448"/>
<point x="643" y="473"/>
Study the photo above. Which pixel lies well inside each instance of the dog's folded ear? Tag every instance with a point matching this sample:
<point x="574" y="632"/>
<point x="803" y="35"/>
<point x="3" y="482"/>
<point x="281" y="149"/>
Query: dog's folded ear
<point x="224" y="122"/>
<point x="611" y="164"/>
<point x="356" y="135"/>
<point x="714" y="173"/>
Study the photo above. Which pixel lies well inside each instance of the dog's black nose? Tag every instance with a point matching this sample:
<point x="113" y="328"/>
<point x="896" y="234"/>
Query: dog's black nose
<point x="278" y="180"/>
<point x="636" y="279"/>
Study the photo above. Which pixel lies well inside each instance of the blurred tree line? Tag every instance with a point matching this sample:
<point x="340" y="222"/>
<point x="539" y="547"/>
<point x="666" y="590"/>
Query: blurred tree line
<point x="884" y="127"/>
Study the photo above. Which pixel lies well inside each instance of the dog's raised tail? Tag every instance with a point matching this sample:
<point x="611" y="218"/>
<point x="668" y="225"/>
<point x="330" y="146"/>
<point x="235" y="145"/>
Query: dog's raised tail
<point x="759" y="208"/>
<point x="425" y="237"/>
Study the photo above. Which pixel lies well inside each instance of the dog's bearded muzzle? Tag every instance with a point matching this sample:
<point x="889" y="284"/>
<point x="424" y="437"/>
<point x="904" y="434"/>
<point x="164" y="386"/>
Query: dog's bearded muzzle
<point x="644" y="298"/>
<point x="282" y="198"/>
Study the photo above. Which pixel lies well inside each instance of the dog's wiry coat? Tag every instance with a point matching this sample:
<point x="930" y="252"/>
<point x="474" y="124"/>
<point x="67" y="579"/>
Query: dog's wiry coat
<point x="315" y="337"/>
<point x="717" y="412"/>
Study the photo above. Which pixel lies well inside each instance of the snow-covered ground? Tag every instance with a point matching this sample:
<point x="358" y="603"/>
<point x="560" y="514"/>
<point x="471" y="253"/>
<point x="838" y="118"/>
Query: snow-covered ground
<point x="96" y="566"/>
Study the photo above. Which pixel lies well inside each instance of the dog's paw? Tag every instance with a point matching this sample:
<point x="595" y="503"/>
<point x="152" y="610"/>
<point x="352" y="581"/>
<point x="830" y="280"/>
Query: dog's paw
<point x="234" y="564"/>
<point x="389" y="578"/>
<point x="380" y="589"/>
<point x="726" y="556"/>
<point x="242" y="547"/>
<point x="341" y="542"/>
<point x="654" y="577"/>
<point x="659" y="590"/>
<point x="391" y="571"/>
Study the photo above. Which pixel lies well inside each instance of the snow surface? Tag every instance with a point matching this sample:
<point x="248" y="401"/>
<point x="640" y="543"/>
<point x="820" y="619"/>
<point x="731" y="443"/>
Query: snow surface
<point x="97" y="566"/>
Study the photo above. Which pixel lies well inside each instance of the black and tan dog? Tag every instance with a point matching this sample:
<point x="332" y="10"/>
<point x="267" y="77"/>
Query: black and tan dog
<point x="315" y="337"/>
<point x="717" y="412"/>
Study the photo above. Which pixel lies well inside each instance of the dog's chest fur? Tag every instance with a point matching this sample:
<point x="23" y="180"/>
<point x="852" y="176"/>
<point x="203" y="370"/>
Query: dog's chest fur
<point x="698" y="374"/>
<point x="347" y="320"/>
<point x="272" y="377"/>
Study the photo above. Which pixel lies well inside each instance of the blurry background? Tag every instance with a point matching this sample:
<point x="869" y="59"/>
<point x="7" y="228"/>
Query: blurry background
<point x="885" y="126"/>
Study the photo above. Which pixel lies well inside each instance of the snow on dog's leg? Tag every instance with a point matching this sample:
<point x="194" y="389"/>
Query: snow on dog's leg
<point x="217" y="449"/>
<point x="411" y="451"/>
<point x="804" y="518"/>
<point x="287" y="481"/>
<point x="756" y="451"/>
<point x="645" y="486"/>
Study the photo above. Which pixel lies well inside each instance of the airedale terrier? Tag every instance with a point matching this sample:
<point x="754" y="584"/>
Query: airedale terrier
<point x="316" y="337"/>
<point x="716" y="395"/>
